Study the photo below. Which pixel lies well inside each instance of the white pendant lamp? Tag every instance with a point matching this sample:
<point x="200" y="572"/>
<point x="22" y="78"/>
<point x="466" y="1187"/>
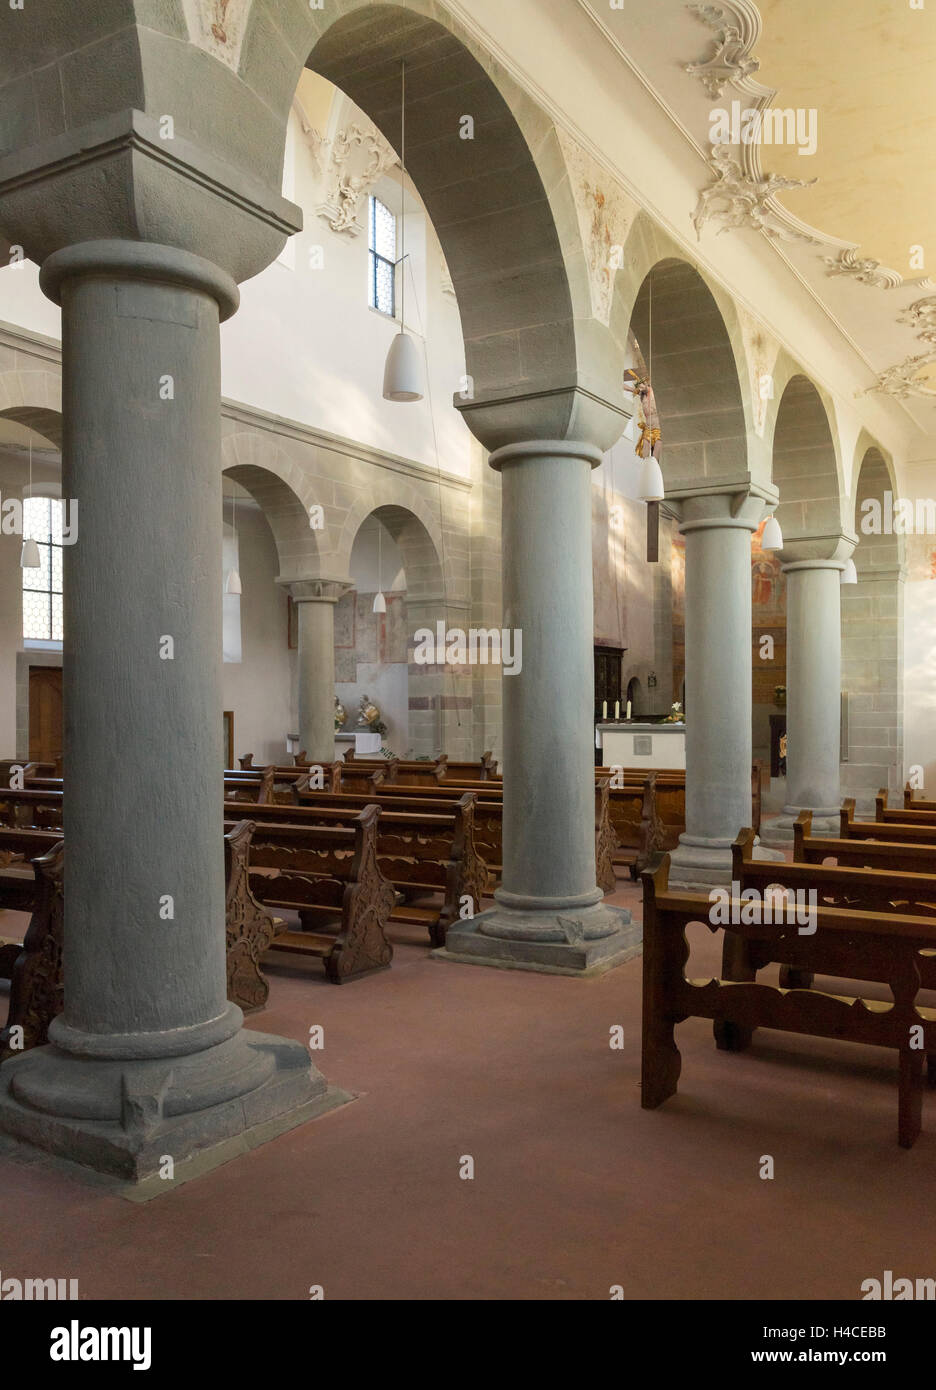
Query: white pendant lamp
<point x="772" y="538"/>
<point x="233" y="585"/>
<point x="380" y="603"/>
<point x="651" y="481"/>
<point x="29" y="555"/>
<point x="849" y="574"/>
<point x="403" y="371"/>
<point x="403" y="380"/>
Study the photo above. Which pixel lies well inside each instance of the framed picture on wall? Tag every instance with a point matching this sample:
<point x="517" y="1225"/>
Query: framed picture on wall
<point x="228" y="738"/>
<point x="292" y="624"/>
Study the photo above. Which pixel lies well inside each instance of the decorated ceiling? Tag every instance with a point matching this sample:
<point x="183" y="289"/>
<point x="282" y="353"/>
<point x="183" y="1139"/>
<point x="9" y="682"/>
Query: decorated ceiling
<point x="815" y="124"/>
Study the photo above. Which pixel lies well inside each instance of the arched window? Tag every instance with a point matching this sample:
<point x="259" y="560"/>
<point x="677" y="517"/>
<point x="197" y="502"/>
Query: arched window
<point x="42" y="584"/>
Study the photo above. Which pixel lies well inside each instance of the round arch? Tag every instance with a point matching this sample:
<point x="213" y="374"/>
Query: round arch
<point x="285" y="496"/>
<point x="698" y="317"/>
<point x="497" y="200"/>
<point x="425" y="717"/>
<point x="802" y="437"/>
<point x="872" y="635"/>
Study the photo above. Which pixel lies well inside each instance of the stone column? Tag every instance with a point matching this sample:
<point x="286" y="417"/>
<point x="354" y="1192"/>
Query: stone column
<point x="814" y="686"/>
<point x="717" y="525"/>
<point x="148" y="1058"/>
<point x="316" y="599"/>
<point x="549" y="914"/>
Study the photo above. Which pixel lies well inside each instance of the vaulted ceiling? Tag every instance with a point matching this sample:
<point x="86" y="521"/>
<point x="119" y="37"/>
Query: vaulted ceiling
<point x="858" y="224"/>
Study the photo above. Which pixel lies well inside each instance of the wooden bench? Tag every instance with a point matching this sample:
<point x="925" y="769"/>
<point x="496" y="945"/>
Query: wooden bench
<point x="886" y="944"/>
<point x="915" y="801"/>
<point x="917" y="856"/>
<point x="492" y="793"/>
<point x="329" y="875"/>
<point x="671" y="795"/>
<point x="907" y="831"/>
<point x="31" y="808"/>
<point x="422" y="854"/>
<point x="35" y="967"/>
<point x="861" y="887"/>
<point x="917" y="813"/>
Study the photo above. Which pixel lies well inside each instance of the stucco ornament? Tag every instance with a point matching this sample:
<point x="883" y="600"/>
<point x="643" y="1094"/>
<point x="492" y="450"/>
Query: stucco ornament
<point x="737" y="200"/>
<point x="359" y="157"/>
<point x="737" y="28"/>
<point x="862" y="268"/>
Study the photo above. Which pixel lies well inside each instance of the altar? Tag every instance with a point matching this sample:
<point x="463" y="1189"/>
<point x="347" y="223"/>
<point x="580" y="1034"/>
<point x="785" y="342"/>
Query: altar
<point x="633" y="744"/>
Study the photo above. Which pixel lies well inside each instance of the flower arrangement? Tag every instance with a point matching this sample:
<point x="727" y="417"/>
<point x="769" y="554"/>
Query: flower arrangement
<point x="676" y="715"/>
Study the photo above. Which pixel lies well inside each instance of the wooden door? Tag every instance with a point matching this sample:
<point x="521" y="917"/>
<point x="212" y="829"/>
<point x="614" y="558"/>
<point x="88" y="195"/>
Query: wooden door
<point x="607" y="678"/>
<point x="45" y="713"/>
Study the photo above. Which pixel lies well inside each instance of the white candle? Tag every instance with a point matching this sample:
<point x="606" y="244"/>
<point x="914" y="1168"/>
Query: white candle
<point x="617" y="709"/>
<point x="628" y="709"/>
<point x="604" y="709"/>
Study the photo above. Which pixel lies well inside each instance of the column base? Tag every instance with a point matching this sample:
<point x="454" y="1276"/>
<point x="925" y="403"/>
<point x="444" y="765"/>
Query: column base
<point x="178" y="1107"/>
<point x="699" y="864"/>
<point x="553" y="941"/>
<point x="779" y="830"/>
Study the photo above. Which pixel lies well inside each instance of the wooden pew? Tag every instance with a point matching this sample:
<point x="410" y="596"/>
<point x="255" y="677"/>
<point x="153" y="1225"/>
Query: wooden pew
<point x="493" y="793"/>
<point x="420" y="853"/>
<point x="399" y="771"/>
<point x="329" y="875"/>
<point x="919" y="813"/>
<point x="18" y="848"/>
<point x="914" y="800"/>
<point x="888" y="944"/>
<point x="671" y="795"/>
<point x="257" y="789"/>
<point x="632" y="810"/>
<point x="913" y="856"/>
<point x="35" y="967"/>
<point x="39" y="809"/>
<point x="343" y="955"/>
<point x="487" y="823"/>
<point x="862" y="888"/>
<point x="425" y="771"/>
<point x="906" y="832"/>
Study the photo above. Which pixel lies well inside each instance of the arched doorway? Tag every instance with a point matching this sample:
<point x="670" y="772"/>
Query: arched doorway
<point x="394" y="553"/>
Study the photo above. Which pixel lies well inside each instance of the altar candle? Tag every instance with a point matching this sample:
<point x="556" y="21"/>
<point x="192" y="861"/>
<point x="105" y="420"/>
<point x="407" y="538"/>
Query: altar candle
<point x="628" y="709"/>
<point x="604" y="709"/>
<point x="617" y="709"/>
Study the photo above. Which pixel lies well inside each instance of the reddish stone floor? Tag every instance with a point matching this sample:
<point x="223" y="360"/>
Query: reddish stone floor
<point x="576" y="1188"/>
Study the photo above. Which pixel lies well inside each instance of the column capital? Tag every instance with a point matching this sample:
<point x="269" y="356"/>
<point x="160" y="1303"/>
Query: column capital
<point x="317" y="590"/>
<point x="721" y="503"/>
<point x="562" y="411"/>
<point x="118" y="178"/>
<point x="816" y="552"/>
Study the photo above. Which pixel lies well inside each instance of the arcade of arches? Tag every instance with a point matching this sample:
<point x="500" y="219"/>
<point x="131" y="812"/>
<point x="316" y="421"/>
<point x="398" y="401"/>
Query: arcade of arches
<point x="244" y="548"/>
